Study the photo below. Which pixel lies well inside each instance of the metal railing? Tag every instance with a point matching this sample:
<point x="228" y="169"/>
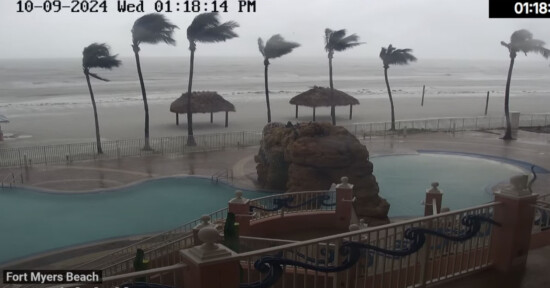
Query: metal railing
<point x="449" y="124"/>
<point x="121" y="260"/>
<point x="222" y="175"/>
<point x="295" y="202"/>
<point x="542" y="216"/>
<point x="68" y="153"/>
<point x="439" y="259"/>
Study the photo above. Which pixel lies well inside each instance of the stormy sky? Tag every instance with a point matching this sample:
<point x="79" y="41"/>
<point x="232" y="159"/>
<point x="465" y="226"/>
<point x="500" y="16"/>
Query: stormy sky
<point x="433" y="28"/>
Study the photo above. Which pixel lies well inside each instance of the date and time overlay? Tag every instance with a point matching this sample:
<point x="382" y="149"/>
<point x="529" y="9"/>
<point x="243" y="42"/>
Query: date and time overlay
<point x="135" y="6"/>
<point x="497" y="8"/>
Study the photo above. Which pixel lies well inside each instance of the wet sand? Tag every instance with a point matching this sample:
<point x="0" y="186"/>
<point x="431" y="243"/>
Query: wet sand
<point x="66" y="124"/>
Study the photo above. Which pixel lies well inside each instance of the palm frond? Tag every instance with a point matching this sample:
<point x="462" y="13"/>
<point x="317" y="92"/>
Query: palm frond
<point x="277" y="46"/>
<point x="207" y="28"/>
<point x="347" y="42"/>
<point x="520" y="36"/>
<point x="218" y="33"/>
<point x="328" y="32"/>
<point x="337" y="40"/>
<point x="383" y="53"/>
<point x="98" y="77"/>
<point x="201" y="21"/>
<point x="99" y="56"/>
<point x="522" y="40"/>
<point x="394" y="56"/>
<point x="261" y="46"/>
<point x="153" y="28"/>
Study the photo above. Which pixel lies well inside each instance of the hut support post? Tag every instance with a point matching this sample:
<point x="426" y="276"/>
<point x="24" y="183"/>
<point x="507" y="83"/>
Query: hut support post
<point x="313" y="114"/>
<point x="423" y="91"/>
<point x="226" y="118"/>
<point x="487" y="103"/>
<point x="350" y="111"/>
<point x="296" y="111"/>
<point x="212" y="117"/>
<point x="177" y="119"/>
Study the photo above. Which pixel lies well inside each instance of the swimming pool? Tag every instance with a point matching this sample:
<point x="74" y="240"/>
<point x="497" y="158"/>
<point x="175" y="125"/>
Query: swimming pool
<point x="464" y="180"/>
<point x="33" y="222"/>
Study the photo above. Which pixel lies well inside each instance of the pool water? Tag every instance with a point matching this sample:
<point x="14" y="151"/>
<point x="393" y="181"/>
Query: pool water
<point x="33" y="222"/>
<point x="465" y="181"/>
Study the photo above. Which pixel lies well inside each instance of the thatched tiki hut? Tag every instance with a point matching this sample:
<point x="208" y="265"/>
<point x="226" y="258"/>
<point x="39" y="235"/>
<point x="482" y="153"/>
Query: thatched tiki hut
<point x="202" y="102"/>
<point x="321" y="97"/>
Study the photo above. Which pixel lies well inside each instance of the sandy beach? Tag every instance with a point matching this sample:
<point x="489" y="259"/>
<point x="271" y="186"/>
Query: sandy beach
<point x="74" y="124"/>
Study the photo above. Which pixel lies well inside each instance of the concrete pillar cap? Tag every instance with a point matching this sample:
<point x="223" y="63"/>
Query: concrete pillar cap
<point x="344" y="184"/>
<point x="238" y="197"/>
<point x="209" y="236"/>
<point x="434" y="188"/>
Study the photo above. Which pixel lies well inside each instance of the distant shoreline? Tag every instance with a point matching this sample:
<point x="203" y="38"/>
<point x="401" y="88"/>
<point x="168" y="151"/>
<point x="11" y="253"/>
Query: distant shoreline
<point x="62" y="125"/>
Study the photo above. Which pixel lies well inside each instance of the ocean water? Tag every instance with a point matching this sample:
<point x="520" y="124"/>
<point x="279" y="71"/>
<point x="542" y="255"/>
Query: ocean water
<point x="44" y="83"/>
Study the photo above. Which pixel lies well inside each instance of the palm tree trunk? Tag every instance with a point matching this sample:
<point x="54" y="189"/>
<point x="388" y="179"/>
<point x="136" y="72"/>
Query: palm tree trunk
<point x="144" y="94"/>
<point x="97" y="137"/>
<point x="508" y="134"/>
<point x="332" y="109"/>
<point x="391" y="100"/>
<point x="266" y="65"/>
<point x="190" y="138"/>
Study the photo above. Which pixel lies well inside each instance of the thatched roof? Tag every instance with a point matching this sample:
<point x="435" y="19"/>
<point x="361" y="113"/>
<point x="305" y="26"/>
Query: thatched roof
<point x="320" y="96"/>
<point x="202" y="102"/>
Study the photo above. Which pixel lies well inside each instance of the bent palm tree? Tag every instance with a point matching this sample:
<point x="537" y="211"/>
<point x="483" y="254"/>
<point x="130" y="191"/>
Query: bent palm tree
<point x="392" y="56"/>
<point x="275" y="47"/>
<point x="153" y="29"/>
<point x="205" y="28"/>
<point x="337" y="41"/>
<point x="521" y="40"/>
<point x="97" y="56"/>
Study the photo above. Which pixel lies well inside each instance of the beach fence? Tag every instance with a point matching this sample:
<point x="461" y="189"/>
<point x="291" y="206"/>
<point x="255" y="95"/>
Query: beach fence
<point x="449" y="124"/>
<point x="177" y="145"/>
<point x="68" y="153"/>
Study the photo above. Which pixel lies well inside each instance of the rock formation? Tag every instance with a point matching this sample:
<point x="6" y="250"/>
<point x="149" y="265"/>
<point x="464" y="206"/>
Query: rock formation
<point x="312" y="156"/>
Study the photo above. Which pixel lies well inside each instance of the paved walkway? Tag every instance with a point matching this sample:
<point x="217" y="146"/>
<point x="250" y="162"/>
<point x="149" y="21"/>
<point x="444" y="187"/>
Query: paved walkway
<point x="239" y="163"/>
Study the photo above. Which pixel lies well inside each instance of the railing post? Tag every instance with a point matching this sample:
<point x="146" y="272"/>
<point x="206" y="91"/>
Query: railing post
<point x="344" y="202"/>
<point x="241" y="208"/>
<point x="511" y="241"/>
<point x="200" y="273"/>
<point x="431" y="194"/>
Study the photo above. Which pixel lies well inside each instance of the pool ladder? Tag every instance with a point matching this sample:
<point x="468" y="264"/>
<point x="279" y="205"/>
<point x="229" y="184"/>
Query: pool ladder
<point x="10" y="180"/>
<point x="226" y="174"/>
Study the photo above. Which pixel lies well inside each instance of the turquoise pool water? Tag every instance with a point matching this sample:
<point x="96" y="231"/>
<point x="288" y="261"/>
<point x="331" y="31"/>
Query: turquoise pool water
<point x="33" y="222"/>
<point x="464" y="180"/>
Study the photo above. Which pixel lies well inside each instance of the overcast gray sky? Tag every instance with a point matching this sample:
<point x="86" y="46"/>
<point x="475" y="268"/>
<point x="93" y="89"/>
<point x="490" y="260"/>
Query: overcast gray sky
<point x="433" y="28"/>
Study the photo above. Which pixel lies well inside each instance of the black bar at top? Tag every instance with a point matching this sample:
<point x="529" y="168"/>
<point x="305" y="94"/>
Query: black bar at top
<point x="505" y="9"/>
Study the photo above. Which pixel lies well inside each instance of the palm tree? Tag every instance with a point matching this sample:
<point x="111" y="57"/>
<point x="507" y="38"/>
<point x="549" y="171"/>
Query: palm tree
<point x="275" y="47"/>
<point x="152" y="28"/>
<point x="521" y="40"/>
<point x="393" y="56"/>
<point x="97" y="56"/>
<point x="205" y="28"/>
<point x="337" y="41"/>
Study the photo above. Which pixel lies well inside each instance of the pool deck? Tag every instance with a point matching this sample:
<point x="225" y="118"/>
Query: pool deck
<point x="96" y="175"/>
<point x="101" y="174"/>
